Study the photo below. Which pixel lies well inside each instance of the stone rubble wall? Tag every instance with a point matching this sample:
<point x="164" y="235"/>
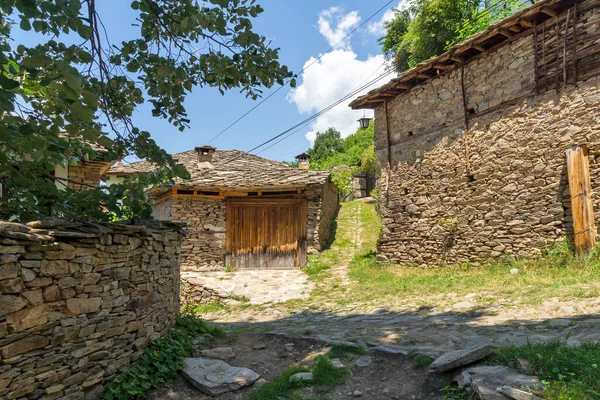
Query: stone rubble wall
<point x="78" y="301"/>
<point x="322" y="210"/>
<point x="87" y="173"/>
<point x="203" y="248"/>
<point x="517" y="199"/>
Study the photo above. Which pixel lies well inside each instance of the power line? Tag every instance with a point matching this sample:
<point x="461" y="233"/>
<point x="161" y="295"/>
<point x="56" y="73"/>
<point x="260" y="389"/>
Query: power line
<point x="299" y="73"/>
<point x="284" y="135"/>
<point x="323" y="111"/>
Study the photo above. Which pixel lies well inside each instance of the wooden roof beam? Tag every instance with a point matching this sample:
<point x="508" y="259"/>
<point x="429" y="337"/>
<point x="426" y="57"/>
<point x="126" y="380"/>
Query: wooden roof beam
<point x="525" y="23"/>
<point x="515" y="29"/>
<point x="478" y="48"/>
<point x="548" y="11"/>
<point x="443" y="67"/>
<point x="505" y="32"/>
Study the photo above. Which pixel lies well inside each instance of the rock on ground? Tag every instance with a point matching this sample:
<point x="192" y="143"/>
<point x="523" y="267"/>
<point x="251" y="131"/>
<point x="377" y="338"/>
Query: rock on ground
<point x="220" y="353"/>
<point x="459" y="358"/>
<point x="215" y="377"/>
<point x="486" y="379"/>
<point x="302" y="377"/>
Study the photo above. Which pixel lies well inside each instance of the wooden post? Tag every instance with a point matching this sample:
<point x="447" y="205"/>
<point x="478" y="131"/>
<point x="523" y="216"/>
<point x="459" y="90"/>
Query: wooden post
<point x="578" y="171"/>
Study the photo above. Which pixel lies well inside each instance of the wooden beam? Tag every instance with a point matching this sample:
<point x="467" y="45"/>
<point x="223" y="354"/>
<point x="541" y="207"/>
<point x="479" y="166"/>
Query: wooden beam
<point x="505" y="32"/>
<point x="578" y="172"/>
<point x="549" y="11"/>
<point x="421" y="75"/>
<point x="525" y="23"/>
<point x="478" y="48"/>
<point x="443" y="67"/>
<point x="515" y="28"/>
<point x="456" y="59"/>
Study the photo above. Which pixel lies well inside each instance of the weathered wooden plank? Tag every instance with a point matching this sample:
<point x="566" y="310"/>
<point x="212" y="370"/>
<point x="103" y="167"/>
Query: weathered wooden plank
<point x="266" y="233"/>
<point x="578" y="171"/>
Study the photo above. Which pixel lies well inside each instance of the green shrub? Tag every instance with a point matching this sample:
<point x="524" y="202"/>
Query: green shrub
<point x="570" y="372"/>
<point x="159" y="363"/>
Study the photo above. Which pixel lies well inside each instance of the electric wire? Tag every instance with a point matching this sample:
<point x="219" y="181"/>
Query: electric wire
<point x="299" y="73"/>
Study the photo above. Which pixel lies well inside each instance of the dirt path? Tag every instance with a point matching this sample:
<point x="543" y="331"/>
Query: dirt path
<point x="428" y="323"/>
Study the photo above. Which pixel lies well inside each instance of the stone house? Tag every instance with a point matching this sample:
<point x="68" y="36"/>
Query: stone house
<point x="244" y="211"/>
<point x="476" y="144"/>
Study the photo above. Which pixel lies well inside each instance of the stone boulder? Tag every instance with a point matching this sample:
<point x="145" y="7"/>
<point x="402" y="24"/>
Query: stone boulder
<point x="460" y="358"/>
<point x="485" y="381"/>
<point x="215" y="377"/>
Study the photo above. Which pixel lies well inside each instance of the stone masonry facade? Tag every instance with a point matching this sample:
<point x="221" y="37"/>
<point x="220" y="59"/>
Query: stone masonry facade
<point x="78" y="301"/>
<point x="86" y="174"/>
<point x="203" y="248"/>
<point x="515" y="198"/>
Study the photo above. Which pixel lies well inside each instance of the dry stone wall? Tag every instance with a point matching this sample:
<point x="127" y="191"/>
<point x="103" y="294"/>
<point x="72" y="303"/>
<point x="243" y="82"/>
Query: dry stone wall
<point x="515" y="200"/>
<point x="203" y="248"/>
<point x="322" y="210"/>
<point x="78" y="301"/>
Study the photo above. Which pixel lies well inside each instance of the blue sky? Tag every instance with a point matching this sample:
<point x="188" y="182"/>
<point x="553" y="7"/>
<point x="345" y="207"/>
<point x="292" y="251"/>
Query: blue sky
<point x="302" y="30"/>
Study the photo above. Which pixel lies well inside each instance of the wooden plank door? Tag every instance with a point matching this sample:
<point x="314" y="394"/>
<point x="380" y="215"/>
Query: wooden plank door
<point x="578" y="171"/>
<point x="266" y="233"/>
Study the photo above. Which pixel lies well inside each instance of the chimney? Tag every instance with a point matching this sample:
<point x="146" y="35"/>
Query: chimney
<point x="205" y="153"/>
<point x="303" y="161"/>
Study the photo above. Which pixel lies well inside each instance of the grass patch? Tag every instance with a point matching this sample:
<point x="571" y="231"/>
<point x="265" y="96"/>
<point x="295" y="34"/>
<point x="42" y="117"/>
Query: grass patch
<point x="419" y="361"/>
<point x="241" y="299"/>
<point x="326" y="376"/>
<point x="159" y="363"/>
<point x="553" y="274"/>
<point x="279" y="387"/>
<point x="570" y="373"/>
<point x="454" y="393"/>
<point x="343" y="351"/>
<point x="205" y="308"/>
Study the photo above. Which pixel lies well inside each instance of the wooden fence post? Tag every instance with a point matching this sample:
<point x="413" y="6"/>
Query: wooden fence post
<point x="578" y="171"/>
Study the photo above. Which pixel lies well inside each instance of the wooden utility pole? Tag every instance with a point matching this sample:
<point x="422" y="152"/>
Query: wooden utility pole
<point x="578" y="171"/>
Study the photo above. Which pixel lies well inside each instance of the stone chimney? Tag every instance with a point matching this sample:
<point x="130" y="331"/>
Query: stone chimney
<point x="205" y="153"/>
<point x="303" y="161"/>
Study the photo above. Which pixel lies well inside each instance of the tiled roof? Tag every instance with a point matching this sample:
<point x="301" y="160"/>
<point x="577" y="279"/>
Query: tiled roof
<point x="232" y="169"/>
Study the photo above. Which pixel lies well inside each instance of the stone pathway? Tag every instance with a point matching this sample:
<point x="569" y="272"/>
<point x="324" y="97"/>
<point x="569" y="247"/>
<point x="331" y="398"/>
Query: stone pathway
<point x="258" y="286"/>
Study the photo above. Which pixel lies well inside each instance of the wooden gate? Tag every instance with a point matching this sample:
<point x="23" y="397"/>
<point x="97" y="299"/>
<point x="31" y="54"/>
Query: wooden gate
<point x="266" y="233"/>
<point x="580" y="188"/>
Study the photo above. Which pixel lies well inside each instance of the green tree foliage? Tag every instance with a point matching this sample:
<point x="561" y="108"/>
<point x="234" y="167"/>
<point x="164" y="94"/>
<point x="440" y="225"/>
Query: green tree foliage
<point x="426" y="28"/>
<point x="75" y="89"/>
<point x="330" y="150"/>
<point x="346" y="156"/>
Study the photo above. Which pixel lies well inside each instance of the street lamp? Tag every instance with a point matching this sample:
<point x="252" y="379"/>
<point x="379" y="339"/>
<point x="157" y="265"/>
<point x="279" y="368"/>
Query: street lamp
<point x="364" y="122"/>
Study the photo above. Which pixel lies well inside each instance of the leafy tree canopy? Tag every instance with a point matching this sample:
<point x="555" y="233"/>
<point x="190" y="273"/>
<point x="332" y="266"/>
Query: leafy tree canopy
<point x="353" y="154"/>
<point x="75" y="89"/>
<point x="426" y="28"/>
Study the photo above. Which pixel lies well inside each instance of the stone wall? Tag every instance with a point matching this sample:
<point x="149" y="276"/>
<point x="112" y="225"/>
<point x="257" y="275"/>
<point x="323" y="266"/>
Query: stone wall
<point x="322" y="210"/>
<point x="203" y="248"/>
<point x="78" y="301"/>
<point x="515" y="198"/>
<point x="88" y="173"/>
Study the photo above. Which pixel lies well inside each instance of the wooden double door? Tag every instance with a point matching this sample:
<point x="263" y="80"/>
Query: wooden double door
<point x="266" y="233"/>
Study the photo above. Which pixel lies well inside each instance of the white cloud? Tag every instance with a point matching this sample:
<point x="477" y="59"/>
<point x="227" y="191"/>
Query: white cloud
<point x="335" y="75"/>
<point x="331" y="78"/>
<point x="377" y="27"/>
<point x="334" y="25"/>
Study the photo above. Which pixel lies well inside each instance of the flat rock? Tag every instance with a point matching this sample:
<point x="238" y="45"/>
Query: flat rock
<point x="486" y="379"/>
<point x="302" y="377"/>
<point x="337" y="363"/>
<point x="220" y="353"/>
<point x="460" y="358"/>
<point x="215" y="377"/>
<point x="363" y="362"/>
<point x="517" y="394"/>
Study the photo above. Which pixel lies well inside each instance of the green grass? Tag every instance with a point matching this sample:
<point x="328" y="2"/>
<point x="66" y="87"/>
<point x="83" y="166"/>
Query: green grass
<point x="205" y="308"/>
<point x="550" y="275"/>
<point x="420" y="362"/>
<point x="325" y="377"/>
<point x="344" y="351"/>
<point x="159" y="363"/>
<point x="570" y="373"/>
